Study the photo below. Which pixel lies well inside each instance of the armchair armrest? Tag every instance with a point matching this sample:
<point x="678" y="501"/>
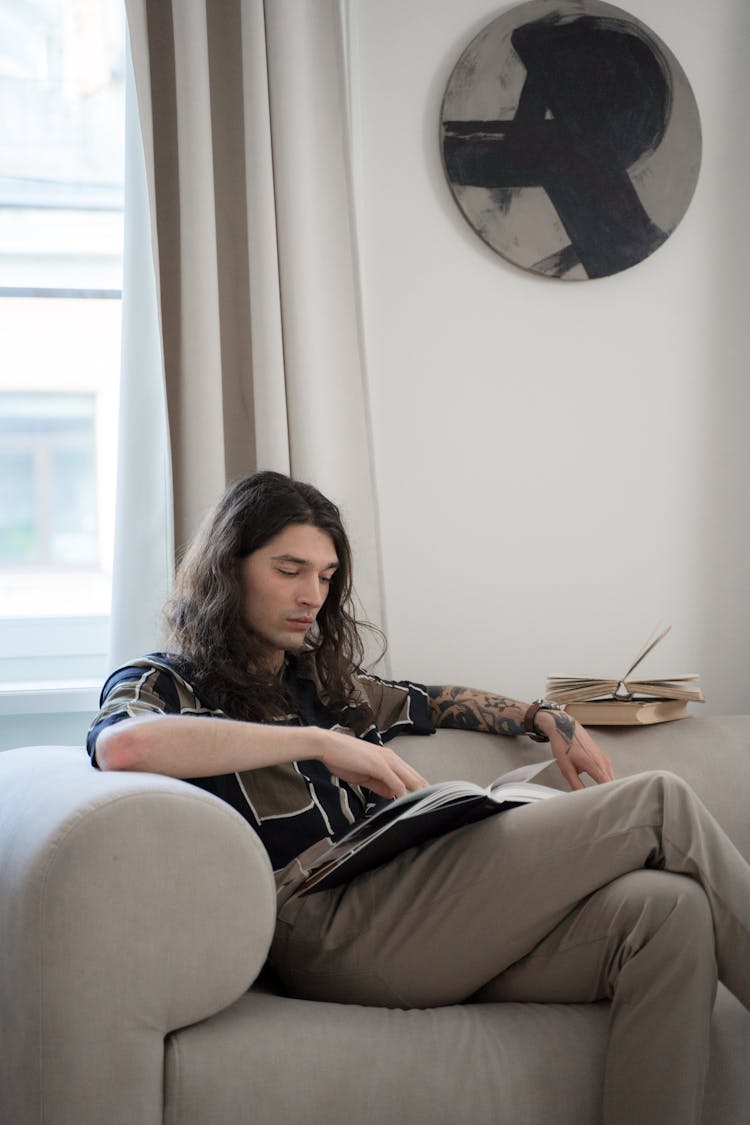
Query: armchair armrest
<point x="130" y="905"/>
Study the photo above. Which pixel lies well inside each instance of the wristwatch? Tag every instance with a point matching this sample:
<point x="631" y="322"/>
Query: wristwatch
<point x="528" y="719"/>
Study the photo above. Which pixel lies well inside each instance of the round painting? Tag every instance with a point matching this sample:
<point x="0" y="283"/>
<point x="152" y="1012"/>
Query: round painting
<point x="571" y="138"/>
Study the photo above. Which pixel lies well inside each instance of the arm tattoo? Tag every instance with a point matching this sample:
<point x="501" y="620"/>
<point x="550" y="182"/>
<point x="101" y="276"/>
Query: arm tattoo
<point x="466" y="709"/>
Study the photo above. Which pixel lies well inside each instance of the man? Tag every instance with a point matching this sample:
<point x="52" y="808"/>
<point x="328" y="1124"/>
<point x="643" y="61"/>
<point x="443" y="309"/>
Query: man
<point x="261" y="701"/>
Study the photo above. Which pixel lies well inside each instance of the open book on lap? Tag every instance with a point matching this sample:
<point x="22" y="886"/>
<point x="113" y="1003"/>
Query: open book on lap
<point x="420" y="816"/>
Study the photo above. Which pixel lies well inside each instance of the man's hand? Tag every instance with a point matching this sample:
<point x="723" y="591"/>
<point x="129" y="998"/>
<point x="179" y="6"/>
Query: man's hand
<point x="574" y="749"/>
<point x="363" y="763"/>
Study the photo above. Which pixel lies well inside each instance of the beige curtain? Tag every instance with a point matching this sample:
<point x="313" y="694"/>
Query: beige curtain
<point x="246" y="133"/>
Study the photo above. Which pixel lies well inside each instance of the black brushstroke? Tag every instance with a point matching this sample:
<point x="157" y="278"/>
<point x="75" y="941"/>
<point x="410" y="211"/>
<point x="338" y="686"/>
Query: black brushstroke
<point x="597" y="97"/>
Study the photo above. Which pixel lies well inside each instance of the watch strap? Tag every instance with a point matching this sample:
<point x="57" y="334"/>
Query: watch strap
<point x="530" y="716"/>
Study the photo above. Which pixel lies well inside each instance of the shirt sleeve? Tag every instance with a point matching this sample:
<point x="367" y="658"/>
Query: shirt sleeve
<point x="143" y="688"/>
<point x="398" y="706"/>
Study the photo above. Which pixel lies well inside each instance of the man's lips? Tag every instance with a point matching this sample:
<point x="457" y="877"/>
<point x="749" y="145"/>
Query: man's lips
<point x="302" y="623"/>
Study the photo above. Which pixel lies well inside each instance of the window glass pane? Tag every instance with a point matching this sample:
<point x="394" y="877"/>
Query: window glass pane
<point x="74" y="538"/>
<point x="47" y="447"/>
<point x="17" y="505"/>
<point x="61" y="91"/>
<point x="58" y="445"/>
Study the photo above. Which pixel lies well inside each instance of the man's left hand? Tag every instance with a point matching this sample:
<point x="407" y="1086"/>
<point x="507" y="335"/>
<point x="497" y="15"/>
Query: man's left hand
<point x="574" y="749"/>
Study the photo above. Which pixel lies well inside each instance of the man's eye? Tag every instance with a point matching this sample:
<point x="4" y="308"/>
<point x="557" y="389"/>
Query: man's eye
<point x="327" y="580"/>
<point x="288" y="573"/>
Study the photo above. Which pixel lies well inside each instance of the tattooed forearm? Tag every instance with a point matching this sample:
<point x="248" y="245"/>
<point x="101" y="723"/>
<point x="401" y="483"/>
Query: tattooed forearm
<point x="467" y="709"/>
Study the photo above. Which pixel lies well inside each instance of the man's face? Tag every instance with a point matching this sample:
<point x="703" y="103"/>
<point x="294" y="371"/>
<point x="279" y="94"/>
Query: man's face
<point x="284" y="585"/>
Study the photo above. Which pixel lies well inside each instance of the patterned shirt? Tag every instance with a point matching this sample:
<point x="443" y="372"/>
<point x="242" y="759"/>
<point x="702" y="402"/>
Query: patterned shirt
<point x="297" y="808"/>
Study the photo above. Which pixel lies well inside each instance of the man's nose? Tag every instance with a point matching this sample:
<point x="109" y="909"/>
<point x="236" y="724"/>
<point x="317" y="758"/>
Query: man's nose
<point x="310" y="592"/>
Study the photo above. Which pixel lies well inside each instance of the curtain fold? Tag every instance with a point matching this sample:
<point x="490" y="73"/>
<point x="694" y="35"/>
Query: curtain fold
<point x="327" y="403"/>
<point x="247" y="140"/>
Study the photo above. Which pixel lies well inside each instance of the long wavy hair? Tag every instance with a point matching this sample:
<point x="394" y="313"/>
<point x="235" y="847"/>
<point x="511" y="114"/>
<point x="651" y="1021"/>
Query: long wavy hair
<point x="206" y="627"/>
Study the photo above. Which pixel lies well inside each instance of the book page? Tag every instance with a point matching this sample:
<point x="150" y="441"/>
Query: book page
<point x="651" y="644"/>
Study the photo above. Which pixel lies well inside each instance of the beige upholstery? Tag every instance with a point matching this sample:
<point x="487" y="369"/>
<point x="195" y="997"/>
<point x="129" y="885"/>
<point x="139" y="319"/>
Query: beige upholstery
<point x="135" y="911"/>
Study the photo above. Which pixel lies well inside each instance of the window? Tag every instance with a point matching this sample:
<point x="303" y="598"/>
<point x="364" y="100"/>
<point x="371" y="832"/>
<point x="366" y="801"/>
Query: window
<point x="62" y="123"/>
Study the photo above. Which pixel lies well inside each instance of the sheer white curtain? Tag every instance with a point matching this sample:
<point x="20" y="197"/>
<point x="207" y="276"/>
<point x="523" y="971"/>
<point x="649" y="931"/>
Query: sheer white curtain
<point x="144" y="556"/>
<point x="246" y="134"/>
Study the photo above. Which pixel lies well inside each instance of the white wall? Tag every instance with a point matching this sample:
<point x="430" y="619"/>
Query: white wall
<point x="560" y="465"/>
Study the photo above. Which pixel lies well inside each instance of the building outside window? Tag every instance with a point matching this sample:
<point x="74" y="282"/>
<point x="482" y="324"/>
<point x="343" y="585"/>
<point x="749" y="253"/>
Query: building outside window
<point x="62" y="124"/>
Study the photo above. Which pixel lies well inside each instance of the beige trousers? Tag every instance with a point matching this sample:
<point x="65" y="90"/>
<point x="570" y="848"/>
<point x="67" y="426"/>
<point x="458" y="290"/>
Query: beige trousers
<point x="629" y="891"/>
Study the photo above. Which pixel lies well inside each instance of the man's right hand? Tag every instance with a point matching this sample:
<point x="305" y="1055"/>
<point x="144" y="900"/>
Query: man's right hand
<point x="362" y="763"/>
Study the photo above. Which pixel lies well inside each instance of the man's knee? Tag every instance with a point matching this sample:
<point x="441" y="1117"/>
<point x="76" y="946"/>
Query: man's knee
<point x="668" y="789"/>
<point x="663" y="779"/>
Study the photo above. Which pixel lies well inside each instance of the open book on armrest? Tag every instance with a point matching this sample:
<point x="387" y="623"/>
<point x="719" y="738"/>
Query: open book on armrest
<point x="420" y="816"/>
<point x="578" y="689"/>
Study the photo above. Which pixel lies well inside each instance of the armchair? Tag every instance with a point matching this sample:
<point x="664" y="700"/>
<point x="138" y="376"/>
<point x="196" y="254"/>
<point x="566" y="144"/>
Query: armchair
<point x="136" y="912"/>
